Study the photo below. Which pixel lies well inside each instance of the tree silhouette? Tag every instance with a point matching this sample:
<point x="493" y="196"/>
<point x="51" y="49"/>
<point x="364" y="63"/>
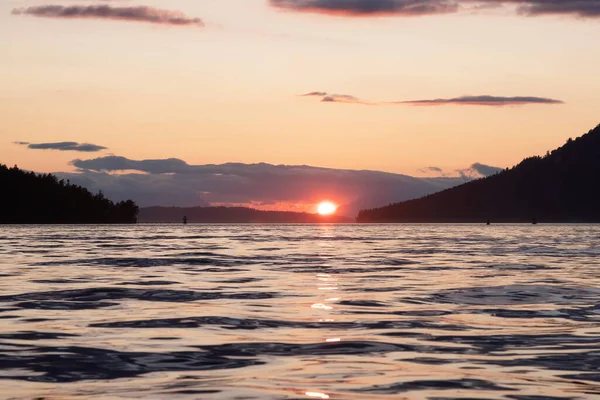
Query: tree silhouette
<point x="563" y="186"/>
<point x="28" y="198"/>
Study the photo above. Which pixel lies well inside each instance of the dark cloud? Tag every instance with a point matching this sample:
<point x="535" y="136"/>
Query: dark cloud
<point x="64" y="146"/>
<point x="484" y="100"/>
<point x="114" y="163"/>
<point x="173" y="182"/>
<point x="134" y="13"/>
<point x="369" y="7"/>
<point x="580" y="8"/>
<point x="365" y="8"/>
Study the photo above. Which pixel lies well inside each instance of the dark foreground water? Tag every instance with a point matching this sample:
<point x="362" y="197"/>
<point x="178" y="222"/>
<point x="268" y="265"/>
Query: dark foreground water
<point x="300" y="312"/>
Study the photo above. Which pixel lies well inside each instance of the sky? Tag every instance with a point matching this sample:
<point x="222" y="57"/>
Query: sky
<point x="412" y="87"/>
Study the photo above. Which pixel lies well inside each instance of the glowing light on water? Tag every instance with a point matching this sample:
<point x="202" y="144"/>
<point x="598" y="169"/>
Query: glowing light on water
<point x="318" y="395"/>
<point x="321" y="306"/>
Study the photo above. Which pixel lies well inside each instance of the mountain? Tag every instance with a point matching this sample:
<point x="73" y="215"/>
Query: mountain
<point x="563" y="186"/>
<point x="28" y="198"/>
<point x="231" y="215"/>
<point x="392" y="189"/>
<point x="175" y="183"/>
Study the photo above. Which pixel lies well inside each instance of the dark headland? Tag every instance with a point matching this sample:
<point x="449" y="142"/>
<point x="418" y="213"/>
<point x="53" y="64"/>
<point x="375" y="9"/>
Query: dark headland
<point x="232" y="215"/>
<point x="562" y="186"/>
<point x="29" y="198"/>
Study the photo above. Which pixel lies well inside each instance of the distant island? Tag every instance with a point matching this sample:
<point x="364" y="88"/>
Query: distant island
<point x="29" y="198"/>
<point x="562" y="186"/>
<point x="232" y="215"/>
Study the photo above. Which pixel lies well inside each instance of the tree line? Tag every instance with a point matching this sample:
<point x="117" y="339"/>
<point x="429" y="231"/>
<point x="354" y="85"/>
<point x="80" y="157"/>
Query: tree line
<point x="30" y="198"/>
<point x="562" y="186"/>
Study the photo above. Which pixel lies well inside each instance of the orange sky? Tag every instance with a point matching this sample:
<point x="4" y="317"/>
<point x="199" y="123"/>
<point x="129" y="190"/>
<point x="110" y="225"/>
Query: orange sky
<point x="228" y="91"/>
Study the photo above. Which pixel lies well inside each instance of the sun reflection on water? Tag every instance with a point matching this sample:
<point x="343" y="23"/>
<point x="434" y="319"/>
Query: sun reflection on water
<point x="321" y="306"/>
<point x="317" y="395"/>
<point x="239" y="311"/>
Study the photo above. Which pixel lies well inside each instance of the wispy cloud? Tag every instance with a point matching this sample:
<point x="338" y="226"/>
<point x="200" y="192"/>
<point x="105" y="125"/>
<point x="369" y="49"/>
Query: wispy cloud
<point x="478" y="170"/>
<point x="431" y="169"/>
<point x="336" y="98"/>
<point x="317" y="94"/>
<point x="366" y="8"/>
<point x="580" y="8"/>
<point x="64" y="146"/>
<point x="342" y="98"/>
<point x="474" y="171"/>
<point x="134" y="13"/>
<point x="483" y="100"/>
<point x="359" y="8"/>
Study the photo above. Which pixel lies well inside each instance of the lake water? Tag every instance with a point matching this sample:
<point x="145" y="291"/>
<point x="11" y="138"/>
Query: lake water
<point x="300" y="312"/>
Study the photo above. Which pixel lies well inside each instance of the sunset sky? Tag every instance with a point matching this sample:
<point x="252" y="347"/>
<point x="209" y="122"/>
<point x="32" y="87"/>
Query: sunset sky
<point x="223" y="81"/>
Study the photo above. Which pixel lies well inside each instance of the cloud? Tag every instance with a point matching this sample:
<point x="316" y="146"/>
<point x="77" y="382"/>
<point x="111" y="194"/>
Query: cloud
<point x="335" y="98"/>
<point x="64" y="146"/>
<point x="115" y="163"/>
<point x="483" y="100"/>
<point x="318" y="94"/>
<point x="478" y="170"/>
<point x="173" y="182"/>
<point x="367" y="8"/>
<point x="342" y="98"/>
<point x="474" y="171"/>
<point x="134" y="13"/>
<point x="580" y="8"/>
<point x="485" y="170"/>
<point x="430" y="169"/>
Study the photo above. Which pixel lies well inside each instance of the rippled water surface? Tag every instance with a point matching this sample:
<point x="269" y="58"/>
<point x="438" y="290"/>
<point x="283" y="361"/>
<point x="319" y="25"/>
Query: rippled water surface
<point x="300" y="312"/>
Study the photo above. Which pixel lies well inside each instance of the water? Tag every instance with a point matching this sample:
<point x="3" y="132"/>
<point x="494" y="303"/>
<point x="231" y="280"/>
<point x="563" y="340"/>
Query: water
<point x="300" y="312"/>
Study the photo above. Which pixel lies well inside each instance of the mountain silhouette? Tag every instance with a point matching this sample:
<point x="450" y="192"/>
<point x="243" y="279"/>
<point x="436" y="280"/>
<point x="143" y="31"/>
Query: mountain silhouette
<point x="231" y="215"/>
<point x="175" y="183"/>
<point x="28" y="198"/>
<point x="562" y="186"/>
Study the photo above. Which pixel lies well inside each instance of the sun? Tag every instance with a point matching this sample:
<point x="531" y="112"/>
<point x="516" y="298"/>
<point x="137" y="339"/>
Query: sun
<point x="326" y="208"/>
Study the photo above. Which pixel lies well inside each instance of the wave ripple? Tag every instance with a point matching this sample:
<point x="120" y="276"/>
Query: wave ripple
<point x="300" y="311"/>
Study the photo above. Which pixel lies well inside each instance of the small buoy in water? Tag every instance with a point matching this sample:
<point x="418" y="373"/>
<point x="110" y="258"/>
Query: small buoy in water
<point x="185" y="220"/>
<point x="534" y="222"/>
<point x="488" y="222"/>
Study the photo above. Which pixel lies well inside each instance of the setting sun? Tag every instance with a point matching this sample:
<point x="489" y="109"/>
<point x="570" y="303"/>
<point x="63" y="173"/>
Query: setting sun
<point x="326" y="208"/>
